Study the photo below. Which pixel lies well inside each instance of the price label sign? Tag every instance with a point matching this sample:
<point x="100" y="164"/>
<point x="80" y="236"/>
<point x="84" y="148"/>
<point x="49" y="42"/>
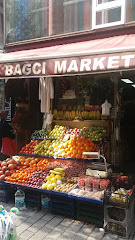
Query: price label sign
<point x="91" y="155"/>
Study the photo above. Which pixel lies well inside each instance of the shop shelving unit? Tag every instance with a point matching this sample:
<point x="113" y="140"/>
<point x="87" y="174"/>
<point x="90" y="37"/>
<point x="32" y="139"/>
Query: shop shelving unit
<point x="119" y="213"/>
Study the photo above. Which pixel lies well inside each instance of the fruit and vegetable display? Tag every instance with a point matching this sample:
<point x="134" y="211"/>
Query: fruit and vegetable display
<point x="36" y="179"/>
<point x="86" y="194"/>
<point x="116" y="228"/>
<point x="120" y="196"/>
<point x="27" y="166"/>
<point x="76" y="115"/>
<point x="95" y="133"/>
<point x="65" y="187"/>
<point x="54" y="178"/>
<point x="72" y="148"/>
<point x="8" y="167"/>
<point x="43" y="133"/>
<point x="29" y="148"/>
<point x="93" y="184"/>
<point x="57" y="132"/>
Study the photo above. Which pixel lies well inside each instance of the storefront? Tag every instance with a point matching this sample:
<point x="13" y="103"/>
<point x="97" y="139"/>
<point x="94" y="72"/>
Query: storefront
<point x="108" y="59"/>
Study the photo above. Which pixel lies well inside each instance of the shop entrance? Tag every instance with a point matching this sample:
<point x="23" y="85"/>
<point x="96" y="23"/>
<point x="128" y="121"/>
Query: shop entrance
<point x="127" y="121"/>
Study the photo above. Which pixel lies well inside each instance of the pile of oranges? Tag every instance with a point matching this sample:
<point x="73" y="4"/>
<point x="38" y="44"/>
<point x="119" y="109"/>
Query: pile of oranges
<point x="74" y="148"/>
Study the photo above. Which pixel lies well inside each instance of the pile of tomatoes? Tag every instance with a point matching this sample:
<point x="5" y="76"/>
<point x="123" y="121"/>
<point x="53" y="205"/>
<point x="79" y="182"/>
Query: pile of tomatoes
<point x="29" y="148"/>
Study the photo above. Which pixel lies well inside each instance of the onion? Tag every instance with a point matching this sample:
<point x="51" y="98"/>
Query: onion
<point x="2" y="177"/>
<point x="15" y="165"/>
<point x="4" y="164"/>
<point x="4" y="168"/>
<point x="7" y="173"/>
<point x="10" y="161"/>
<point x="18" y="162"/>
<point x="1" y="172"/>
<point x="11" y="166"/>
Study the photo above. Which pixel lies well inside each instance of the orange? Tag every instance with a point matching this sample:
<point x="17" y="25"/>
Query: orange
<point x="80" y="152"/>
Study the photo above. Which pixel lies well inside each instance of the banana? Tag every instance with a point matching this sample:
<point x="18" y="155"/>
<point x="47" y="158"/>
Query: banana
<point x="61" y="170"/>
<point x="55" y="172"/>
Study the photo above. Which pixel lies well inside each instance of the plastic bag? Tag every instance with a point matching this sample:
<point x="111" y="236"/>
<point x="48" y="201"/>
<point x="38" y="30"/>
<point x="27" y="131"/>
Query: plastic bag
<point x="9" y="147"/>
<point x="7" y="226"/>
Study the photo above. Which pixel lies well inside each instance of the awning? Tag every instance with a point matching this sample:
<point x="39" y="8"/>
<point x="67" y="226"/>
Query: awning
<point x="94" y="56"/>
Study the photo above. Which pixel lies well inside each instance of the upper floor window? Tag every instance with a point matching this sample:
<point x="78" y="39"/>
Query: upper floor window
<point x="1" y="24"/>
<point x="108" y="13"/>
<point x="33" y="19"/>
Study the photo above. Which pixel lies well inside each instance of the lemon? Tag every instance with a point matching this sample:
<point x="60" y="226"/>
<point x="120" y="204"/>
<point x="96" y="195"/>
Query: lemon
<point x="48" y="178"/>
<point x="54" y="185"/>
<point x="49" y="187"/>
<point x="44" y="186"/>
<point x="52" y="175"/>
<point x="58" y="177"/>
<point x="53" y="180"/>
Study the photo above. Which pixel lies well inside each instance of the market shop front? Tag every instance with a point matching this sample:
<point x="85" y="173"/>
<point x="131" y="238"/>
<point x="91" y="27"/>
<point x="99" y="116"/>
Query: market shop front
<point x="94" y="64"/>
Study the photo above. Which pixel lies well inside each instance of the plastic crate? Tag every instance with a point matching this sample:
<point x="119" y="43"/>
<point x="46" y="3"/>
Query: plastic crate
<point x="33" y="199"/>
<point x="120" y="229"/>
<point x="63" y="205"/>
<point x="117" y="199"/>
<point x="91" y="212"/>
<point x="7" y="193"/>
<point x="118" y="214"/>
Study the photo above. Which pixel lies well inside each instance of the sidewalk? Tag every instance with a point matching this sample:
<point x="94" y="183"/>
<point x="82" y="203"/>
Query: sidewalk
<point x="42" y="225"/>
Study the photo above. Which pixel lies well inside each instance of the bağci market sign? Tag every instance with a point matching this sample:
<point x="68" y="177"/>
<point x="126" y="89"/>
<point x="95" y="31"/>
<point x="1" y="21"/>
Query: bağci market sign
<point x="67" y="66"/>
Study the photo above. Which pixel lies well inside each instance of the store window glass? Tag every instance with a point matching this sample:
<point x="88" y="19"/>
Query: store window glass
<point x="26" y="19"/>
<point x="33" y="19"/>
<point x="1" y="24"/>
<point x="130" y="11"/>
<point x="30" y="19"/>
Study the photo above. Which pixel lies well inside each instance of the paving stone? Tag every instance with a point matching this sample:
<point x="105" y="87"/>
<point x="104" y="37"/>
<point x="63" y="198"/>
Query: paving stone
<point x="61" y="227"/>
<point x="75" y="227"/>
<point x="48" y="216"/>
<point x="67" y="236"/>
<point x="91" y="238"/>
<point x="38" y="225"/>
<point x="54" y="222"/>
<point x="41" y="234"/>
<point x="120" y="238"/>
<point x="27" y="213"/>
<point x="19" y="220"/>
<point x="35" y="217"/>
<point x="97" y="235"/>
<point x="22" y="227"/>
<point x="55" y="234"/>
<point x="110" y="236"/>
<point x="86" y="230"/>
<point x="26" y="235"/>
<point x="80" y="237"/>
<point x="67" y="222"/>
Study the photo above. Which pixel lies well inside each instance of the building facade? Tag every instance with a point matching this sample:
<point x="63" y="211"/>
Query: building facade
<point x="69" y="37"/>
<point x="51" y="22"/>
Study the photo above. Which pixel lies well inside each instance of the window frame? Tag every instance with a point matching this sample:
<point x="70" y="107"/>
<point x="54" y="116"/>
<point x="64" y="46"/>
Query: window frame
<point x="96" y="7"/>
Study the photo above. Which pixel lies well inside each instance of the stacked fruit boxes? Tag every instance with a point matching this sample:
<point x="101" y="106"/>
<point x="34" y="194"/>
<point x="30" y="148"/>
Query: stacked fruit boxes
<point x="119" y="213"/>
<point x="63" y="205"/>
<point x="6" y="193"/>
<point x="32" y="199"/>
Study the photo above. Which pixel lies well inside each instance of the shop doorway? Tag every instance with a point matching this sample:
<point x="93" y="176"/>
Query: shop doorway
<point x="127" y="123"/>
